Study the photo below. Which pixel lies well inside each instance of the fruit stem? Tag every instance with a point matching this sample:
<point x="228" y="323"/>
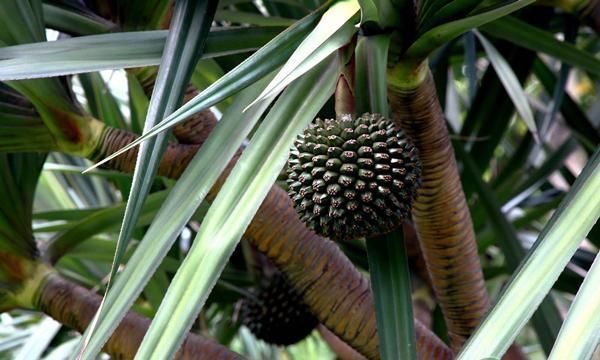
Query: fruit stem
<point x="344" y="99"/>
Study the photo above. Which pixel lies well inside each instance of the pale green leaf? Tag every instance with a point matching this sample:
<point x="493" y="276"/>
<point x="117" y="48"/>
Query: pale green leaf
<point x="511" y="84"/>
<point x="265" y="60"/>
<point x="552" y="251"/>
<point x="580" y="333"/>
<point x="333" y="30"/>
<point x="234" y="208"/>
<point x="178" y="208"/>
<point x="183" y="47"/>
<point x="115" y="51"/>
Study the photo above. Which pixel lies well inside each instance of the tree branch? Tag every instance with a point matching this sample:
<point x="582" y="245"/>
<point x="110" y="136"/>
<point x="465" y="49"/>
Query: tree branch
<point x="75" y="306"/>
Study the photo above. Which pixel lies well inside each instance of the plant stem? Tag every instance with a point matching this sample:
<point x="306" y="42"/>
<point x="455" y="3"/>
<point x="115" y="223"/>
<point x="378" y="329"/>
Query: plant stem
<point x="390" y="280"/>
<point x="440" y="212"/>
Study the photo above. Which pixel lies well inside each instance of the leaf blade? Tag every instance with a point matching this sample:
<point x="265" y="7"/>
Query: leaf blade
<point x="265" y="60"/>
<point x="531" y="37"/>
<point x="556" y="244"/>
<point x="511" y="84"/>
<point x="234" y="208"/>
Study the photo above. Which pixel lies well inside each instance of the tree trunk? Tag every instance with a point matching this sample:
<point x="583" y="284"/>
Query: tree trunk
<point x="440" y="212"/>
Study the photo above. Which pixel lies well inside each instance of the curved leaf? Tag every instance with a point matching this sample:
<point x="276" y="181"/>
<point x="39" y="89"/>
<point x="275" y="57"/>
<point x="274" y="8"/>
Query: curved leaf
<point x="115" y="51"/>
<point x="511" y="84"/>
<point x="235" y="206"/>
<point x="556" y="244"/>
<point x="531" y="37"/>
<point x="265" y="60"/>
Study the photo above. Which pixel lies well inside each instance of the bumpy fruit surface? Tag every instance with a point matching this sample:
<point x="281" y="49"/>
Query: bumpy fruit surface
<point x="353" y="177"/>
<point x="278" y="314"/>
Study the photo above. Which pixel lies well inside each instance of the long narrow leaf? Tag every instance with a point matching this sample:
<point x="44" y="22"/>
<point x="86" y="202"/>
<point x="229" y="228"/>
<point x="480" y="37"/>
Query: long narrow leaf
<point x="511" y="83"/>
<point x="390" y="280"/>
<point x="371" y="61"/>
<point x="265" y="60"/>
<point x="186" y="196"/>
<point x="580" y="333"/>
<point x="184" y="45"/>
<point x="526" y="35"/>
<point x="556" y="244"/>
<point x="333" y="30"/>
<point x="75" y="22"/>
<point x="234" y="208"/>
<point x="437" y="36"/>
<point x="115" y="51"/>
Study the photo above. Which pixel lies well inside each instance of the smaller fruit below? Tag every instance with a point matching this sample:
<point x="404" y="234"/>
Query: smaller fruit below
<point x="278" y="314"/>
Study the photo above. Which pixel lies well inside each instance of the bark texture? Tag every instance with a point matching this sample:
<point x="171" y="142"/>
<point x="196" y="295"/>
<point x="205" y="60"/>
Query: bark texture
<point x="440" y="212"/>
<point x="75" y="307"/>
<point x="335" y="291"/>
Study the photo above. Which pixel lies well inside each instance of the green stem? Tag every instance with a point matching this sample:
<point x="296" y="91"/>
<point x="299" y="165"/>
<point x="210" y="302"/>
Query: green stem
<point x="390" y="280"/>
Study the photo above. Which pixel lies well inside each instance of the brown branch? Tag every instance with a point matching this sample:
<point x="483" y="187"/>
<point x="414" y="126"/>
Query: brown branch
<point x="336" y="292"/>
<point x="75" y="307"/>
<point x="440" y="212"/>
<point x="340" y="348"/>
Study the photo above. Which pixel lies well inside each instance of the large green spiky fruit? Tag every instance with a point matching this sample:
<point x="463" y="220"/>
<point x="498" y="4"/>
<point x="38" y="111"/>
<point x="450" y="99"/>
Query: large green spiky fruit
<point x="353" y="177"/>
<point x="277" y="314"/>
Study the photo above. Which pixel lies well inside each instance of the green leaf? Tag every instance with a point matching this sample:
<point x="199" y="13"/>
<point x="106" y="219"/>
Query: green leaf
<point x="390" y="280"/>
<point x="265" y="60"/>
<point x="21" y="22"/>
<point x="370" y="90"/>
<point x="208" y="72"/>
<point x="188" y="193"/>
<point x="547" y="319"/>
<point x="75" y="21"/>
<point x="434" y="38"/>
<point x="579" y="335"/>
<point x="19" y="175"/>
<point x="574" y="116"/>
<point x="427" y="10"/>
<point x="183" y="47"/>
<point x="369" y="15"/>
<point x="234" y="208"/>
<point x="449" y="10"/>
<point x="511" y="84"/>
<point x="333" y="31"/>
<point x="556" y="244"/>
<point x="115" y="51"/>
<point x="138" y="103"/>
<point x="100" y="221"/>
<point x="531" y="37"/>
